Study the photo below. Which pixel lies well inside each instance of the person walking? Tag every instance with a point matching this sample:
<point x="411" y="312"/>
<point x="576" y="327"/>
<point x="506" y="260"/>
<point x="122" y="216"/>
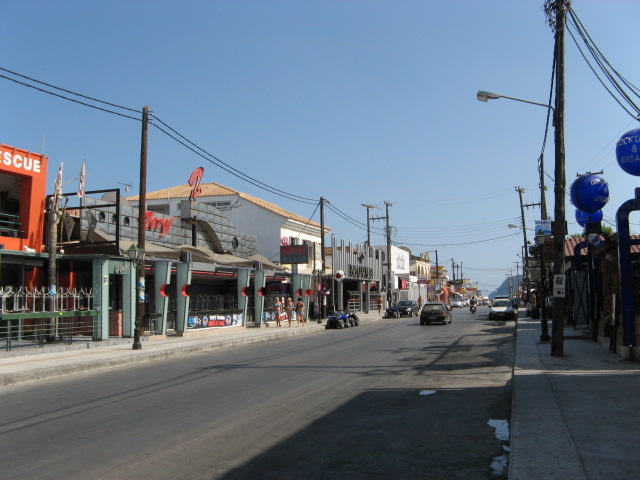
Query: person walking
<point x="300" y="311"/>
<point x="289" y="309"/>
<point x="277" y="310"/>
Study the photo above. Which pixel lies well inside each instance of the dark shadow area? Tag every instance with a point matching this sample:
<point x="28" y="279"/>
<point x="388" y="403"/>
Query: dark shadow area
<point x="388" y="434"/>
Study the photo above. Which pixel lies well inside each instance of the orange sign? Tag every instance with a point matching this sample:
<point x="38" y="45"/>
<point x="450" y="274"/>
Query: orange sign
<point x="23" y="175"/>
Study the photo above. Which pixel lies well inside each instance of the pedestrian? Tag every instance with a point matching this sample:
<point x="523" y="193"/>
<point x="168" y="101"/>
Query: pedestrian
<point x="379" y="300"/>
<point x="277" y="309"/>
<point x="420" y="303"/>
<point x="300" y="311"/>
<point x="289" y="309"/>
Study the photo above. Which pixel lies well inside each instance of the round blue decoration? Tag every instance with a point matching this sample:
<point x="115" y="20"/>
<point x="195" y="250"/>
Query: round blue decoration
<point x="628" y="152"/>
<point x="589" y="193"/>
<point x="583" y="217"/>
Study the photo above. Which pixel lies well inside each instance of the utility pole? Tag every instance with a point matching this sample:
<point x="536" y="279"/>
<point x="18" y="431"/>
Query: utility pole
<point x="390" y="290"/>
<point x="525" y="265"/>
<point x="322" y="258"/>
<point x="556" y="10"/>
<point x="142" y="208"/>
<point x="368" y="219"/>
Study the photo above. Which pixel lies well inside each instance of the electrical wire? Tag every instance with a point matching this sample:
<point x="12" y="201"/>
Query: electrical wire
<point x="605" y="67"/>
<point x="66" y="91"/>
<point x="225" y="166"/>
<point x="69" y="99"/>
<point x="185" y="141"/>
<point x="458" y="244"/>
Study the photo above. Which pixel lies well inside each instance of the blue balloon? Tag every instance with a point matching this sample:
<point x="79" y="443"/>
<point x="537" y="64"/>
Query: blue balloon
<point x="589" y="193"/>
<point x="628" y="152"/>
<point x="583" y="217"/>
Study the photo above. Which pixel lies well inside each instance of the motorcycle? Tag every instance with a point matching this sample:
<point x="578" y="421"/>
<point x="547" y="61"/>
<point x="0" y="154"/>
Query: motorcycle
<point x="473" y="309"/>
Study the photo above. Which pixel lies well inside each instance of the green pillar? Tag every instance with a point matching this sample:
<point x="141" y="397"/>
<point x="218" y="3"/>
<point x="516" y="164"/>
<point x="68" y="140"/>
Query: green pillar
<point x="243" y="283"/>
<point x="129" y="299"/>
<point x="183" y="280"/>
<point x="160" y="280"/>
<point x="259" y="278"/>
<point x="100" y="274"/>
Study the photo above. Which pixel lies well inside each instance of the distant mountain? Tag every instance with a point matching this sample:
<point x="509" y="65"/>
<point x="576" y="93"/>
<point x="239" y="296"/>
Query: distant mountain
<point x="504" y="288"/>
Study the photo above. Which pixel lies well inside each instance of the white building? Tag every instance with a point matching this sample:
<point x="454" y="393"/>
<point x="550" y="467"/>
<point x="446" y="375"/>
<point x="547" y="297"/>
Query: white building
<point x="272" y="225"/>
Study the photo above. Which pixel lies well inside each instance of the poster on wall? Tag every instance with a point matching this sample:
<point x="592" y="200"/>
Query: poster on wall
<point x="214" y="321"/>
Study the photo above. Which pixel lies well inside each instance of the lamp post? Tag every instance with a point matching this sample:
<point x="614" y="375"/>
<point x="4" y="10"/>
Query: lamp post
<point x="559" y="228"/>
<point x="136" y="254"/>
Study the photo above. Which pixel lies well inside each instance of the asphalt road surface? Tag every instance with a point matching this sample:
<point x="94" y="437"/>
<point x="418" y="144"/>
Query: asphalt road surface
<point x="388" y="399"/>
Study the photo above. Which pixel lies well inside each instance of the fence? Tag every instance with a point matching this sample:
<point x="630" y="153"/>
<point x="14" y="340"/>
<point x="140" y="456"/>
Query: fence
<point x="31" y="316"/>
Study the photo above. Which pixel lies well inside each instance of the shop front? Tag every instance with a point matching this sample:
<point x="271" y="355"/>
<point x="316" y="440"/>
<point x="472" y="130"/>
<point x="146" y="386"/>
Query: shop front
<point x="357" y="277"/>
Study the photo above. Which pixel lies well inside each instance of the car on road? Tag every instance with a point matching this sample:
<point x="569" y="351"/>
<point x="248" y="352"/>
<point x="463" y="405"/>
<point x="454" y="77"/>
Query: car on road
<point x="342" y="320"/>
<point x="435" y="312"/>
<point x="502" y="309"/>
<point x="402" y="308"/>
<point x="457" y="303"/>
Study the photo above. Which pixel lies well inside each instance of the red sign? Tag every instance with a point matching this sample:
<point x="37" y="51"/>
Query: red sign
<point x="194" y="181"/>
<point x="155" y="223"/>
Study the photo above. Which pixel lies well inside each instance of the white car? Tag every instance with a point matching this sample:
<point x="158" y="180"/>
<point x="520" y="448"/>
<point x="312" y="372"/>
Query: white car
<point x="502" y="308"/>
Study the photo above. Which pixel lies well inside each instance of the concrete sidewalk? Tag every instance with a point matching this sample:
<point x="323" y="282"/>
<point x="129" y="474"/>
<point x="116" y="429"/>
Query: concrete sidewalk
<point x="28" y="363"/>
<point x="576" y="416"/>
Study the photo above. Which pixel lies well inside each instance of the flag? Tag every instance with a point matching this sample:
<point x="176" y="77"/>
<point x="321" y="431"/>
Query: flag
<point x="81" y="181"/>
<point x="57" y="186"/>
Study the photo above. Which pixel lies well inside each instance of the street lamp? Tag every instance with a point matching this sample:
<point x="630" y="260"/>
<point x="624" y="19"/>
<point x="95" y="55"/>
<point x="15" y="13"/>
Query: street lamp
<point x="136" y="254"/>
<point x="486" y="96"/>
<point x="559" y="227"/>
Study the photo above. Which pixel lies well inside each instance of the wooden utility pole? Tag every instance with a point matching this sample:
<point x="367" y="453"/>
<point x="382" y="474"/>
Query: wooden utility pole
<point x="558" y="8"/>
<point x="390" y="290"/>
<point x="525" y="259"/>
<point x="368" y="224"/>
<point x="142" y="208"/>
<point x="322" y="258"/>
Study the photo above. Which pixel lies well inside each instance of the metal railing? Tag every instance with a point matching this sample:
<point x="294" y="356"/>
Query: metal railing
<point x="44" y="300"/>
<point x="30" y="316"/>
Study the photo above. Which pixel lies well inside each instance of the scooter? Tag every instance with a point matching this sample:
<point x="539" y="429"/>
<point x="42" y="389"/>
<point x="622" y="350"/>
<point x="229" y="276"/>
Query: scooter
<point x="472" y="308"/>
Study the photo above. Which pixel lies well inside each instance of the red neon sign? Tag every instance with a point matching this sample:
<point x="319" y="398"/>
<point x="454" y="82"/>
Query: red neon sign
<point x="155" y="223"/>
<point x="194" y="181"/>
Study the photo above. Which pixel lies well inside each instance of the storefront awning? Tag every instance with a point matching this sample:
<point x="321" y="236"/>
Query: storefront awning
<point x="266" y="263"/>
<point x="152" y="249"/>
<point x="203" y="254"/>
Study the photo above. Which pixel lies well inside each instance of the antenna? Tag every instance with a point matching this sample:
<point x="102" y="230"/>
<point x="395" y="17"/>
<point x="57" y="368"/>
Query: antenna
<point x="127" y="186"/>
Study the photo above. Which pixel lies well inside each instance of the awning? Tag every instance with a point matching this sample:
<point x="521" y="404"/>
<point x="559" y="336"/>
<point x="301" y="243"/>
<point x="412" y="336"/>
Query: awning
<point x="203" y="254"/>
<point x="266" y="262"/>
<point x="151" y="249"/>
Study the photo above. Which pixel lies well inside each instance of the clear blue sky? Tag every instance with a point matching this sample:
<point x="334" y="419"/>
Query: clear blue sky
<point x="355" y="101"/>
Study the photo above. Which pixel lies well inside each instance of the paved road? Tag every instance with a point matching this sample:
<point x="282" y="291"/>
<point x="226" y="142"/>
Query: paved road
<point x="388" y="399"/>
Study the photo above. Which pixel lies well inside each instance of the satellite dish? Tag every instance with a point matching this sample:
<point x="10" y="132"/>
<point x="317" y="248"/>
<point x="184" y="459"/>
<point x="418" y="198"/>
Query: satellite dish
<point x="111" y="197"/>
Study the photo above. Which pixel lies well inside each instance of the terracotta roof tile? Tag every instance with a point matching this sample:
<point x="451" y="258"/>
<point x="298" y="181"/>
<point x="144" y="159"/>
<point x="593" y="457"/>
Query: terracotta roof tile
<point x="571" y="242"/>
<point x="216" y="190"/>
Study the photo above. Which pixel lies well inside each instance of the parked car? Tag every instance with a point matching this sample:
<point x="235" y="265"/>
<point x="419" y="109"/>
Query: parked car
<point x="342" y="320"/>
<point x="457" y="303"/>
<point x="435" y="312"/>
<point x="502" y="308"/>
<point x="514" y="301"/>
<point x="403" y="307"/>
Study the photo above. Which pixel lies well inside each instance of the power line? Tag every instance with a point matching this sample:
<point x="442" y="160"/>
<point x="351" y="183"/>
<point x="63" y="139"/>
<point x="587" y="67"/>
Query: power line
<point x="205" y="155"/>
<point x="228" y="168"/>
<point x="65" y="90"/>
<point x="69" y="99"/>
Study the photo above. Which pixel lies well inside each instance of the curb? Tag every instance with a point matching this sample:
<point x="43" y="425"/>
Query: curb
<point x="78" y="361"/>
